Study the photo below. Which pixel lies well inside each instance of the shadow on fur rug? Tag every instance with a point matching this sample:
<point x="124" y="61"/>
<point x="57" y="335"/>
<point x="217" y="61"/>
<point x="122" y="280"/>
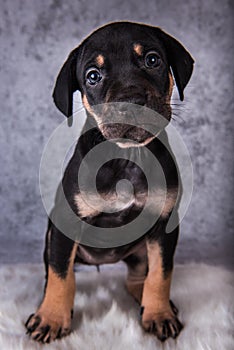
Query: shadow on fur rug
<point x="106" y="317"/>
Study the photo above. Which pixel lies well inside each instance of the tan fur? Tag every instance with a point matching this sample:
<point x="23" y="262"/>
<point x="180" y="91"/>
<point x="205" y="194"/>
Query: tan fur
<point x="90" y="110"/>
<point x="83" y="208"/>
<point x="100" y="61"/>
<point x="92" y="206"/>
<point x="138" y="49"/>
<point x="56" y="307"/>
<point x="159" y="202"/>
<point x="86" y="104"/>
<point x="169" y="203"/>
<point x="171" y="85"/>
<point x="156" y="290"/>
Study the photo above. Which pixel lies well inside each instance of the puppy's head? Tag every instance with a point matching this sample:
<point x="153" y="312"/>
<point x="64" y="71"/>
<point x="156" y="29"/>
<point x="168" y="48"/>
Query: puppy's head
<point x="120" y="64"/>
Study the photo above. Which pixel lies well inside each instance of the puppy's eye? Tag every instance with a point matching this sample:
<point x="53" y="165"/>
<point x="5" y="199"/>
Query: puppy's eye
<point x="93" y="76"/>
<point x="152" y="60"/>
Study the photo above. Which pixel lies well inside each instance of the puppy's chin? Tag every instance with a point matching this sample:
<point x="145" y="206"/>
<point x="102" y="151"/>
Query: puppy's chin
<point x="127" y="143"/>
<point x="125" y="136"/>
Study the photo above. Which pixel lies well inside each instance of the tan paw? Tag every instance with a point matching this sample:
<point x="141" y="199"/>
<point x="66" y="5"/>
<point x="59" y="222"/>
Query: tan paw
<point x="164" y="324"/>
<point x="45" y="327"/>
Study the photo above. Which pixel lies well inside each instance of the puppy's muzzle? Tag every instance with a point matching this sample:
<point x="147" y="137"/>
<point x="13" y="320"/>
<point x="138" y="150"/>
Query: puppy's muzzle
<point x="123" y="122"/>
<point x="124" y="132"/>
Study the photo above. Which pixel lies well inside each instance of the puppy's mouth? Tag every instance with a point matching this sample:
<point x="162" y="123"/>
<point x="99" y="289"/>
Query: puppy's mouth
<point x="128" y="125"/>
<point x="127" y="135"/>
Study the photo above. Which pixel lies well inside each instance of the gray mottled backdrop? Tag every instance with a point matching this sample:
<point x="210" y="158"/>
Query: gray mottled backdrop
<point x="36" y="37"/>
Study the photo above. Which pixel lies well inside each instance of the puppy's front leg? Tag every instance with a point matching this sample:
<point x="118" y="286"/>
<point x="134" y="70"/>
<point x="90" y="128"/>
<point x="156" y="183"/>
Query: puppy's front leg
<point x="159" y="315"/>
<point x="53" y="317"/>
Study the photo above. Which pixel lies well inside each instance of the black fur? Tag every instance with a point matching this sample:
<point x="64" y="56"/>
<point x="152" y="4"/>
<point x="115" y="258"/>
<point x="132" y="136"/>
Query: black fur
<point x="125" y="77"/>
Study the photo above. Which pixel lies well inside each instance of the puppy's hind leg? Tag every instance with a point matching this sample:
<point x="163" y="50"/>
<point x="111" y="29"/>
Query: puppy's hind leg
<point x="53" y="318"/>
<point x="137" y="264"/>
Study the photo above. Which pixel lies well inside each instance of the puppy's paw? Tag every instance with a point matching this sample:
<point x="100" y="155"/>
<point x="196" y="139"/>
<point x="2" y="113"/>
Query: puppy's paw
<point x="164" y="324"/>
<point x="47" y="326"/>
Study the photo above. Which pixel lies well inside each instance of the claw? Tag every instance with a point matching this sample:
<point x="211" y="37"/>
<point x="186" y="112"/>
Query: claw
<point x="164" y="328"/>
<point x="173" y="307"/>
<point x="36" y="323"/>
<point x="45" y="327"/>
<point x="58" y="336"/>
<point x="141" y="310"/>
<point x="28" y="320"/>
<point x="152" y="327"/>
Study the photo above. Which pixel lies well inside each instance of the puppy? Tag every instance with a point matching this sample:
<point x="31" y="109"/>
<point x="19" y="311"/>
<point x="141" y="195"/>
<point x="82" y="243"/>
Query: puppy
<point x="120" y="64"/>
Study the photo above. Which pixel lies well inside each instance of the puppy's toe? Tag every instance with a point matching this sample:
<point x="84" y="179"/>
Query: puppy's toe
<point x="163" y="325"/>
<point x="42" y="334"/>
<point x="32" y="323"/>
<point x="44" y="329"/>
<point x="170" y="328"/>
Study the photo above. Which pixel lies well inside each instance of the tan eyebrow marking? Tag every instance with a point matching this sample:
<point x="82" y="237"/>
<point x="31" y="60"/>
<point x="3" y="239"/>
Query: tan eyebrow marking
<point x="100" y="60"/>
<point x="138" y="49"/>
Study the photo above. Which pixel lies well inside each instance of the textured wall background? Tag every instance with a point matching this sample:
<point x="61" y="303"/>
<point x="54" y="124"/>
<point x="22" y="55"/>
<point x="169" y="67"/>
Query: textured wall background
<point x="36" y="37"/>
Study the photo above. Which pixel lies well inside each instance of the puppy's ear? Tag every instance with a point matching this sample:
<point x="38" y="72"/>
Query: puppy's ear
<point x="66" y="84"/>
<point x="179" y="60"/>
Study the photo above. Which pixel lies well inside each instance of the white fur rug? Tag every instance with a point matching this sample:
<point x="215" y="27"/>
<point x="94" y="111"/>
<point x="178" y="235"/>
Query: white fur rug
<point x="106" y="318"/>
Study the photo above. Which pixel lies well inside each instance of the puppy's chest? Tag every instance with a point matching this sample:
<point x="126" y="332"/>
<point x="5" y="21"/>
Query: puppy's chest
<point x="122" y="192"/>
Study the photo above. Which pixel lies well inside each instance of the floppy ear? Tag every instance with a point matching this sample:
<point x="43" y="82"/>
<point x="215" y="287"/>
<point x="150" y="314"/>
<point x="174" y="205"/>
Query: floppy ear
<point x="66" y="84"/>
<point x="179" y="60"/>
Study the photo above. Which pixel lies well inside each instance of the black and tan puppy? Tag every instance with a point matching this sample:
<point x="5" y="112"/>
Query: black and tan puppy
<point x="132" y="63"/>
